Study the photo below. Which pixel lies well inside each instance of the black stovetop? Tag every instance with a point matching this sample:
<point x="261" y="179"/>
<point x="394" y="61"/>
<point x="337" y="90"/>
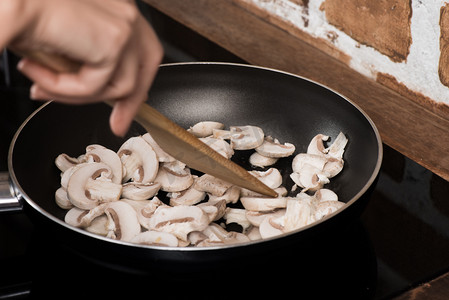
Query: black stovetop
<point x="400" y="240"/>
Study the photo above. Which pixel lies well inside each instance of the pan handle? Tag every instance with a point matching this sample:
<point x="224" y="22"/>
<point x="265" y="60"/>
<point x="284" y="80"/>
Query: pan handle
<point x="10" y="200"/>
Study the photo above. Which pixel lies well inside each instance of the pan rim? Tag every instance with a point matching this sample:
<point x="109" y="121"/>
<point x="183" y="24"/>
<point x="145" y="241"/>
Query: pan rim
<point x="368" y="184"/>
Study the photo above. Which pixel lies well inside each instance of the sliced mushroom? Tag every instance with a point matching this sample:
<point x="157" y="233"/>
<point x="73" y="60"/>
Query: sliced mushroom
<point x="299" y="212"/>
<point x="325" y="208"/>
<point x="83" y="218"/>
<point x="237" y="215"/>
<point x="333" y="167"/>
<point x="272" y="148"/>
<point x="213" y="185"/>
<point x="152" y="237"/>
<point x="309" y="178"/>
<point x="139" y="160"/>
<point x="303" y="159"/>
<point x="64" y="162"/>
<point x="246" y="137"/>
<point x="325" y="195"/>
<point x="162" y="156"/>
<point x="338" y="146"/>
<point x="205" y="128"/>
<point x="217" y="235"/>
<point x="62" y="200"/>
<point x="219" y="204"/>
<point x="99" y="225"/>
<point x="231" y="195"/>
<point x="179" y="220"/>
<point x="261" y="161"/>
<point x="140" y="191"/>
<point x="270" y="228"/>
<point x="190" y="196"/>
<point x="253" y="233"/>
<point x="98" y="153"/>
<point x="91" y="185"/>
<point x="316" y="145"/>
<point x="281" y="191"/>
<point x="219" y="145"/>
<point x="256" y="217"/>
<point x="173" y="181"/>
<point x="122" y="221"/>
<point x="221" y="134"/>
<point x="263" y="204"/>
<point x="271" y="177"/>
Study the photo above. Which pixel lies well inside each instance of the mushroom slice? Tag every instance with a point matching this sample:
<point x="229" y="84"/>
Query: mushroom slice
<point x="256" y="217"/>
<point x="325" y="208"/>
<point x="338" y="146"/>
<point x="214" y="215"/>
<point x="160" y="153"/>
<point x="64" y="162"/>
<point x="83" y="218"/>
<point x="62" y="199"/>
<point x="140" y="191"/>
<point x="299" y="212"/>
<point x="221" y="134"/>
<point x="217" y="235"/>
<point x="158" y="238"/>
<point x="99" y="226"/>
<point x="246" y="137"/>
<point x="309" y="178"/>
<point x="98" y="153"/>
<point x="261" y="161"/>
<point x="325" y="195"/>
<point x="172" y="180"/>
<point x="237" y="215"/>
<point x="302" y="159"/>
<point x="316" y="145"/>
<point x="179" y="220"/>
<point x="231" y="195"/>
<point x="139" y="160"/>
<point x="91" y="185"/>
<point x="253" y="233"/>
<point x="219" y="145"/>
<point x="205" y="128"/>
<point x="213" y="185"/>
<point x="272" y="148"/>
<point x="271" y="177"/>
<point x="122" y="221"/>
<point x="190" y="196"/>
<point x="333" y="166"/>
<point x="263" y="204"/>
<point x="270" y="228"/>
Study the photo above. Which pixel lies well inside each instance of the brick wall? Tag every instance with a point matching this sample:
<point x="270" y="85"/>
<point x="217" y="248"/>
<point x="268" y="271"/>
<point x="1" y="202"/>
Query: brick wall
<point x="403" y="44"/>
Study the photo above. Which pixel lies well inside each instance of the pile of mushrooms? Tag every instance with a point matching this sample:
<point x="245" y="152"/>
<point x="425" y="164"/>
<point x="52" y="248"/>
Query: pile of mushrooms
<point x="141" y="194"/>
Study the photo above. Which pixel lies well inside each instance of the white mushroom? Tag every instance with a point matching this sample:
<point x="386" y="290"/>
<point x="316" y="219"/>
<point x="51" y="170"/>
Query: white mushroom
<point x="261" y="161"/>
<point x="237" y="215"/>
<point x="271" y="177"/>
<point x="62" y="200"/>
<point x="205" y="128"/>
<point x="64" y="162"/>
<point x="189" y="196"/>
<point x="270" y="228"/>
<point x="299" y="212"/>
<point x="219" y="204"/>
<point x="139" y="160"/>
<point x="152" y="237"/>
<point x="338" y="146"/>
<point x="98" y="153"/>
<point x="272" y="148"/>
<point x="316" y="145"/>
<point x="145" y="209"/>
<point x="173" y="181"/>
<point x="217" y="235"/>
<point x="179" y="220"/>
<point x="213" y="185"/>
<point x="256" y="217"/>
<point x="231" y="195"/>
<point x="122" y="221"/>
<point x="219" y="145"/>
<point x="303" y="159"/>
<point x="263" y="204"/>
<point x="140" y="191"/>
<point x="160" y="153"/>
<point x="99" y="225"/>
<point x="325" y="195"/>
<point x="325" y="208"/>
<point x="253" y="233"/>
<point x="246" y="137"/>
<point x="309" y="178"/>
<point x="221" y="134"/>
<point x="91" y="185"/>
<point x="83" y="218"/>
<point x="333" y="166"/>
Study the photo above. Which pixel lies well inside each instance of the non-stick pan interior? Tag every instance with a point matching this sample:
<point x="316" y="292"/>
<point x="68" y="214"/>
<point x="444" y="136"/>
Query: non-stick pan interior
<point x="286" y="107"/>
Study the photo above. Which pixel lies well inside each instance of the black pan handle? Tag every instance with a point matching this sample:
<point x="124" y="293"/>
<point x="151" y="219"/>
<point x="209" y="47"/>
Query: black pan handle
<point x="10" y="200"/>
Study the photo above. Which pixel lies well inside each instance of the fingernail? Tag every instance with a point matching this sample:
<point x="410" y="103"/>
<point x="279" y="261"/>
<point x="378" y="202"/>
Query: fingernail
<point x="20" y="65"/>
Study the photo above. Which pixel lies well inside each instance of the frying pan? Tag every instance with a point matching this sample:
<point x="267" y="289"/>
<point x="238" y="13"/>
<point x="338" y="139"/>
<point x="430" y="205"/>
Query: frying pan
<point x="288" y="107"/>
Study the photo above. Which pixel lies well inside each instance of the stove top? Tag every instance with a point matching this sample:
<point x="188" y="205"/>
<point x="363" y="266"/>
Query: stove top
<point x="400" y="241"/>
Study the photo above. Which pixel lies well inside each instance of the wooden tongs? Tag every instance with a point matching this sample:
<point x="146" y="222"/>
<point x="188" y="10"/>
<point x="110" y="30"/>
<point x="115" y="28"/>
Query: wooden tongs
<point x="172" y="138"/>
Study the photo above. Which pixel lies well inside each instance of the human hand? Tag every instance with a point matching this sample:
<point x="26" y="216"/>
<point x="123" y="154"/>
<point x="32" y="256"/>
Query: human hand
<point x="118" y="52"/>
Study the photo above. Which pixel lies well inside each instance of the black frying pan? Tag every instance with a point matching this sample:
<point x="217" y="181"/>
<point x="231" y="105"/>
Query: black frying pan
<point x="288" y="107"/>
